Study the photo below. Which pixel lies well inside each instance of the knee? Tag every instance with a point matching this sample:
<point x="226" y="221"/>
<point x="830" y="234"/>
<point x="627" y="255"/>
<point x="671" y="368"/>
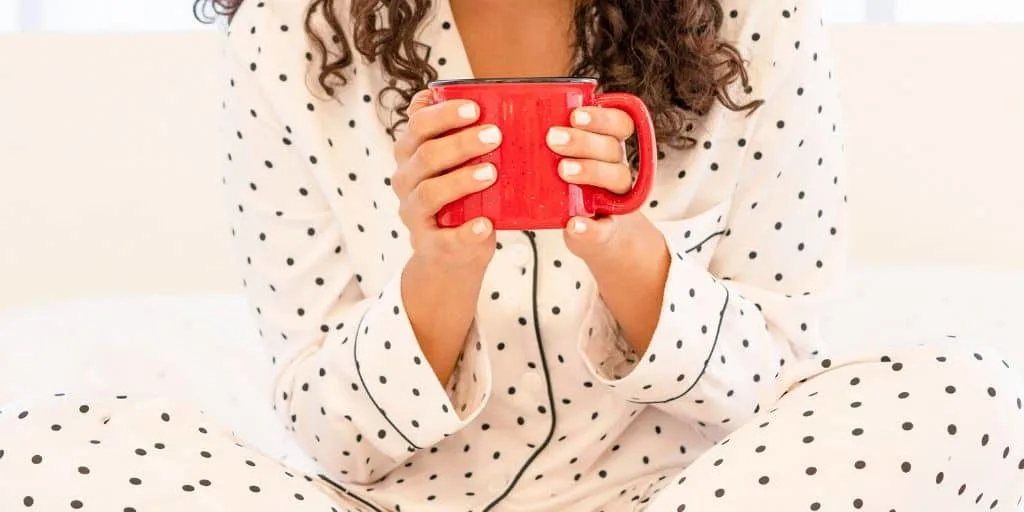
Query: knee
<point x="977" y="375"/>
<point x="973" y="357"/>
<point x="91" y="411"/>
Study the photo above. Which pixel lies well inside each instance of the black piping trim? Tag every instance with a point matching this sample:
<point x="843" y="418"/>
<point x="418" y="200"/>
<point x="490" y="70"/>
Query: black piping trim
<point x="706" y="240"/>
<point x="711" y="353"/>
<point x="362" y="382"/>
<point x="349" y="493"/>
<point x="547" y="380"/>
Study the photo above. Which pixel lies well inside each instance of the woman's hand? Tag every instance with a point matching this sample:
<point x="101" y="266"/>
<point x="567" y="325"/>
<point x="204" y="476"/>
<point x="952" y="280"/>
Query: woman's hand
<point x="446" y="270"/>
<point x="594" y="148"/>
<point x="627" y="254"/>
<point x="435" y="141"/>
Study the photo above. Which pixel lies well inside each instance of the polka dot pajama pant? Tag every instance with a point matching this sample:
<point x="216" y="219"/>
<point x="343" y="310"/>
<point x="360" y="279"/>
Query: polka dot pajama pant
<point x="936" y="427"/>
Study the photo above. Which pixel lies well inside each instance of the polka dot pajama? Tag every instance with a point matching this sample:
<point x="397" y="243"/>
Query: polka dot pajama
<point x="856" y="433"/>
<point x="736" y="405"/>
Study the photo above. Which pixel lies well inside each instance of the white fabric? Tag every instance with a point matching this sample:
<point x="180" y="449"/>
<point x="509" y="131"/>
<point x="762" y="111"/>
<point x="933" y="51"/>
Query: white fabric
<point x="754" y="217"/>
<point x="203" y="350"/>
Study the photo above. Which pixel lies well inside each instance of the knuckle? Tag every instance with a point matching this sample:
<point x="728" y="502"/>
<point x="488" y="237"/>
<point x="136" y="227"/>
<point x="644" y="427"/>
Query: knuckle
<point x="594" y="173"/>
<point x="608" y="179"/>
<point x="612" y="147"/>
<point x="422" y="95"/>
<point x="416" y="240"/>
<point x="459" y="182"/>
<point x="593" y="144"/>
<point x="465" y="143"/>
<point x="406" y="213"/>
<point x="419" y="100"/>
<point x="403" y="213"/>
<point x="447" y="244"/>
<point x="427" y="156"/>
<point x="440" y="155"/>
<point x="406" y="145"/>
<point x="610" y="154"/>
<point x="628" y="128"/>
<point x="400" y="150"/>
<point x="609" y="232"/>
<point x="398" y="183"/>
<point x="622" y="177"/>
<point x="415" y="125"/>
<point x="425" y="196"/>
<point x="622" y="122"/>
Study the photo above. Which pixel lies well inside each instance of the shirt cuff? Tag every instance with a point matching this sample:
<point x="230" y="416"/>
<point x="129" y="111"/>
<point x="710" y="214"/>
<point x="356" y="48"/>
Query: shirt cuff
<point x="684" y="341"/>
<point x="397" y="378"/>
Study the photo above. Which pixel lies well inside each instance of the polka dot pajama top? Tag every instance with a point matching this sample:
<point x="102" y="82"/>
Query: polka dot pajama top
<point x="736" y="405"/>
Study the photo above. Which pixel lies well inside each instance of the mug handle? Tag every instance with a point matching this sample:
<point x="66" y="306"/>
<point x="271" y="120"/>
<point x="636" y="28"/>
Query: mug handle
<point x="608" y="203"/>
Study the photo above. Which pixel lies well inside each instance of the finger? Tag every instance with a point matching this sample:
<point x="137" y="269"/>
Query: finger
<point x="584" y="236"/>
<point x="605" y="121"/>
<point x="615" y="178"/>
<point x="419" y="100"/>
<point x="576" y="143"/>
<point x="433" y="194"/>
<point x="455" y="241"/>
<point x="436" y="156"/>
<point x="431" y="120"/>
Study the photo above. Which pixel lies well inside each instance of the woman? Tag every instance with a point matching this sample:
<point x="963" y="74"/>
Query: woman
<point x="664" y="360"/>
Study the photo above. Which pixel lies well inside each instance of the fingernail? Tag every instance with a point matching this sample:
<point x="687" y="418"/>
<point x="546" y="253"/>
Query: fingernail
<point x="490" y="135"/>
<point x="480" y="227"/>
<point x="570" y="168"/>
<point x="579" y="227"/>
<point x="581" y="118"/>
<point x="558" y="137"/>
<point x="485" y="173"/>
<point x="468" y="111"/>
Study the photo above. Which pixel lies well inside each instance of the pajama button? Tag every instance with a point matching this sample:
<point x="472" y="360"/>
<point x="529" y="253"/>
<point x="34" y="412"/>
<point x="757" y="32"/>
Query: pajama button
<point x="533" y="383"/>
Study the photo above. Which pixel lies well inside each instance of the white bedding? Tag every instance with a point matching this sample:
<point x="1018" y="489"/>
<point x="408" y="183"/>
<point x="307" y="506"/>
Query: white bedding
<point x="203" y="349"/>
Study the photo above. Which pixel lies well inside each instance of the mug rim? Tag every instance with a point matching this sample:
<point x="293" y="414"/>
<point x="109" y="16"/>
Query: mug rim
<point x="530" y="80"/>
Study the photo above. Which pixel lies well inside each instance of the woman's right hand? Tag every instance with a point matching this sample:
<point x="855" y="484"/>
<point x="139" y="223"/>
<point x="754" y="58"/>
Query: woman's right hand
<point x="437" y="139"/>
<point x="447" y="267"/>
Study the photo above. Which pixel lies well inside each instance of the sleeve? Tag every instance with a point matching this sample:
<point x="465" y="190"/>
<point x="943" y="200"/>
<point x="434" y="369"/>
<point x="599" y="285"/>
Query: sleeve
<point x="740" y="304"/>
<point x="351" y="381"/>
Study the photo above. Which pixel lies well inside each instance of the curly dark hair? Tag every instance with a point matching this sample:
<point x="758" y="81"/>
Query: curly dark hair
<point x="667" y="52"/>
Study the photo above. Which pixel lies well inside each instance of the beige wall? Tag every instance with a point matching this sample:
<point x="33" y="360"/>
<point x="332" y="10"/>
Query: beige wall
<point x="108" y="148"/>
<point x="935" y="119"/>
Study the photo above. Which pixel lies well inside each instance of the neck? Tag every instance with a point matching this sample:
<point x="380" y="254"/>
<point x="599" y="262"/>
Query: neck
<point x="521" y="38"/>
<point x="513" y="6"/>
<point x="516" y="15"/>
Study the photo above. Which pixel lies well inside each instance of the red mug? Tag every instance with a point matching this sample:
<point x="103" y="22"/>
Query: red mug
<point x="529" y="193"/>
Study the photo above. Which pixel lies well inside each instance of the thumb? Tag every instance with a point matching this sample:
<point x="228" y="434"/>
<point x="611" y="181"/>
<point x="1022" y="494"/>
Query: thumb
<point x="587" y="238"/>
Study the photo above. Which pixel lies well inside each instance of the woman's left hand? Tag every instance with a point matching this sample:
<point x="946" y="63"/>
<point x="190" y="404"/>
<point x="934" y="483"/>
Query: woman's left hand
<point x="626" y="254"/>
<point x="595" y="155"/>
